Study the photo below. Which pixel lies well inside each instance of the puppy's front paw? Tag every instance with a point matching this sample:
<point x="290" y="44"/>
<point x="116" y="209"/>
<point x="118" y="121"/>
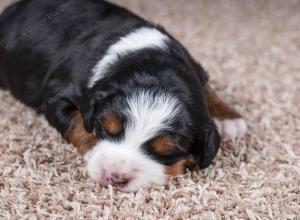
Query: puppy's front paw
<point x="232" y="128"/>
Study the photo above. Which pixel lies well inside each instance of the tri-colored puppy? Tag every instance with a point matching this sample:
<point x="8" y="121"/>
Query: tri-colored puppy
<point x="120" y="89"/>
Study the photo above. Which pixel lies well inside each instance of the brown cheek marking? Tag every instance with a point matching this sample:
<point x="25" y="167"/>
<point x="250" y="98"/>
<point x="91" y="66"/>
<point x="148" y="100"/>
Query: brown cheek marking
<point x="163" y="145"/>
<point x="78" y="136"/>
<point x="111" y="123"/>
<point x="176" y="169"/>
<point x="179" y="167"/>
<point x="218" y="108"/>
<point x="191" y="162"/>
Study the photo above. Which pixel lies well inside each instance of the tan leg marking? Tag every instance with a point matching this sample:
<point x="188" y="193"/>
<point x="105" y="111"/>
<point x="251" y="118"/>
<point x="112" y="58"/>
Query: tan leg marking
<point x="229" y="122"/>
<point x="219" y="109"/>
<point x="78" y="136"/>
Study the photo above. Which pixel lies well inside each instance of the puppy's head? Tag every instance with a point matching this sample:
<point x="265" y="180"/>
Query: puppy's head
<point x="145" y="137"/>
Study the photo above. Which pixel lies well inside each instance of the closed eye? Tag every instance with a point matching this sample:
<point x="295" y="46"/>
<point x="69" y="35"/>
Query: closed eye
<point x="164" y="150"/>
<point x="171" y="158"/>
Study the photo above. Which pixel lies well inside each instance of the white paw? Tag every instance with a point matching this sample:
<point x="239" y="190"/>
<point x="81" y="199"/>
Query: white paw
<point x="232" y="128"/>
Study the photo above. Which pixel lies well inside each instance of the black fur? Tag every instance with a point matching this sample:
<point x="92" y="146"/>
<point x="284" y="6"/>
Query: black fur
<point x="48" y="49"/>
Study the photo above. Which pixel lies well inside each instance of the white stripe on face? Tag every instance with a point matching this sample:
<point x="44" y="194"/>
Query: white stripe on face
<point x="147" y="114"/>
<point x="139" y="39"/>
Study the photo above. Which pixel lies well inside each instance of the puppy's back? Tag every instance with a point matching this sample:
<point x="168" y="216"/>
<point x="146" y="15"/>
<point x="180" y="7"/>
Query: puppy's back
<point x="41" y="40"/>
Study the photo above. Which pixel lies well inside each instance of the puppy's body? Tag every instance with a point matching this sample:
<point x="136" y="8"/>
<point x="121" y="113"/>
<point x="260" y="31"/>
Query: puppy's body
<point x="121" y="89"/>
<point x="44" y="51"/>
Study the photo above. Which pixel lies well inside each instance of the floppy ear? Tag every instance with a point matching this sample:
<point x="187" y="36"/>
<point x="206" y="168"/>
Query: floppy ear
<point x="87" y="107"/>
<point x="90" y="102"/>
<point x="207" y="145"/>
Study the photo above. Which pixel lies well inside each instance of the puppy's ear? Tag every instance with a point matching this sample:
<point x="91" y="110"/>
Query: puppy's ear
<point x="201" y="73"/>
<point x="87" y="107"/>
<point x="207" y="145"/>
<point x="91" y="102"/>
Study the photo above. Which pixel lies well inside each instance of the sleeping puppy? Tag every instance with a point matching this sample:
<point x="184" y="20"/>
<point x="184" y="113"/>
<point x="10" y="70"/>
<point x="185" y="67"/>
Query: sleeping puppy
<point x="123" y="91"/>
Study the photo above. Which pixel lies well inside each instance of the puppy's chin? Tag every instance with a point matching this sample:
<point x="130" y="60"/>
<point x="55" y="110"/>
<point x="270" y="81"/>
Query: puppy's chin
<point x="124" y="167"/>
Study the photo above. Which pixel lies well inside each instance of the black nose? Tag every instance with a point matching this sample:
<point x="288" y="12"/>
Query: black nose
<point x="117" y="179"/>
<point x="115" y="175"/>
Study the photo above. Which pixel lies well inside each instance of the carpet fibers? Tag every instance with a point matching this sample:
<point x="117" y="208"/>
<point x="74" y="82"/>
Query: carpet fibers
<point x="251" y="50"/>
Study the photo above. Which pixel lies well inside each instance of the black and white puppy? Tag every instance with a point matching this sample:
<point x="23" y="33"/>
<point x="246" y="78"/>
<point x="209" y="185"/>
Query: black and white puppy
<point x="121" y="89"/>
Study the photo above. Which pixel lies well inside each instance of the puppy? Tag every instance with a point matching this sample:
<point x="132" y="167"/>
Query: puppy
<point x="123" y="91"/>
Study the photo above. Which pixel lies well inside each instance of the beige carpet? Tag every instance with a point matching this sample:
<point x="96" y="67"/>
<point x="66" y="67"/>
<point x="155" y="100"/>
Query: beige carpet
<point x="252" y="51"/>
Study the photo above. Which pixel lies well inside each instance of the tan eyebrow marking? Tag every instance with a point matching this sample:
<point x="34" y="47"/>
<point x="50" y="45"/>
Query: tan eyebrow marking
<point x="163" y="145"/>
<point x="111" y="122"/>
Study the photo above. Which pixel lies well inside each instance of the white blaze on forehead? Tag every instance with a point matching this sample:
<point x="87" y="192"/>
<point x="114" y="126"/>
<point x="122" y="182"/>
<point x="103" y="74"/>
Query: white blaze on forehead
<point x="141" y="38"/>
<point x="147" y="114"/>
